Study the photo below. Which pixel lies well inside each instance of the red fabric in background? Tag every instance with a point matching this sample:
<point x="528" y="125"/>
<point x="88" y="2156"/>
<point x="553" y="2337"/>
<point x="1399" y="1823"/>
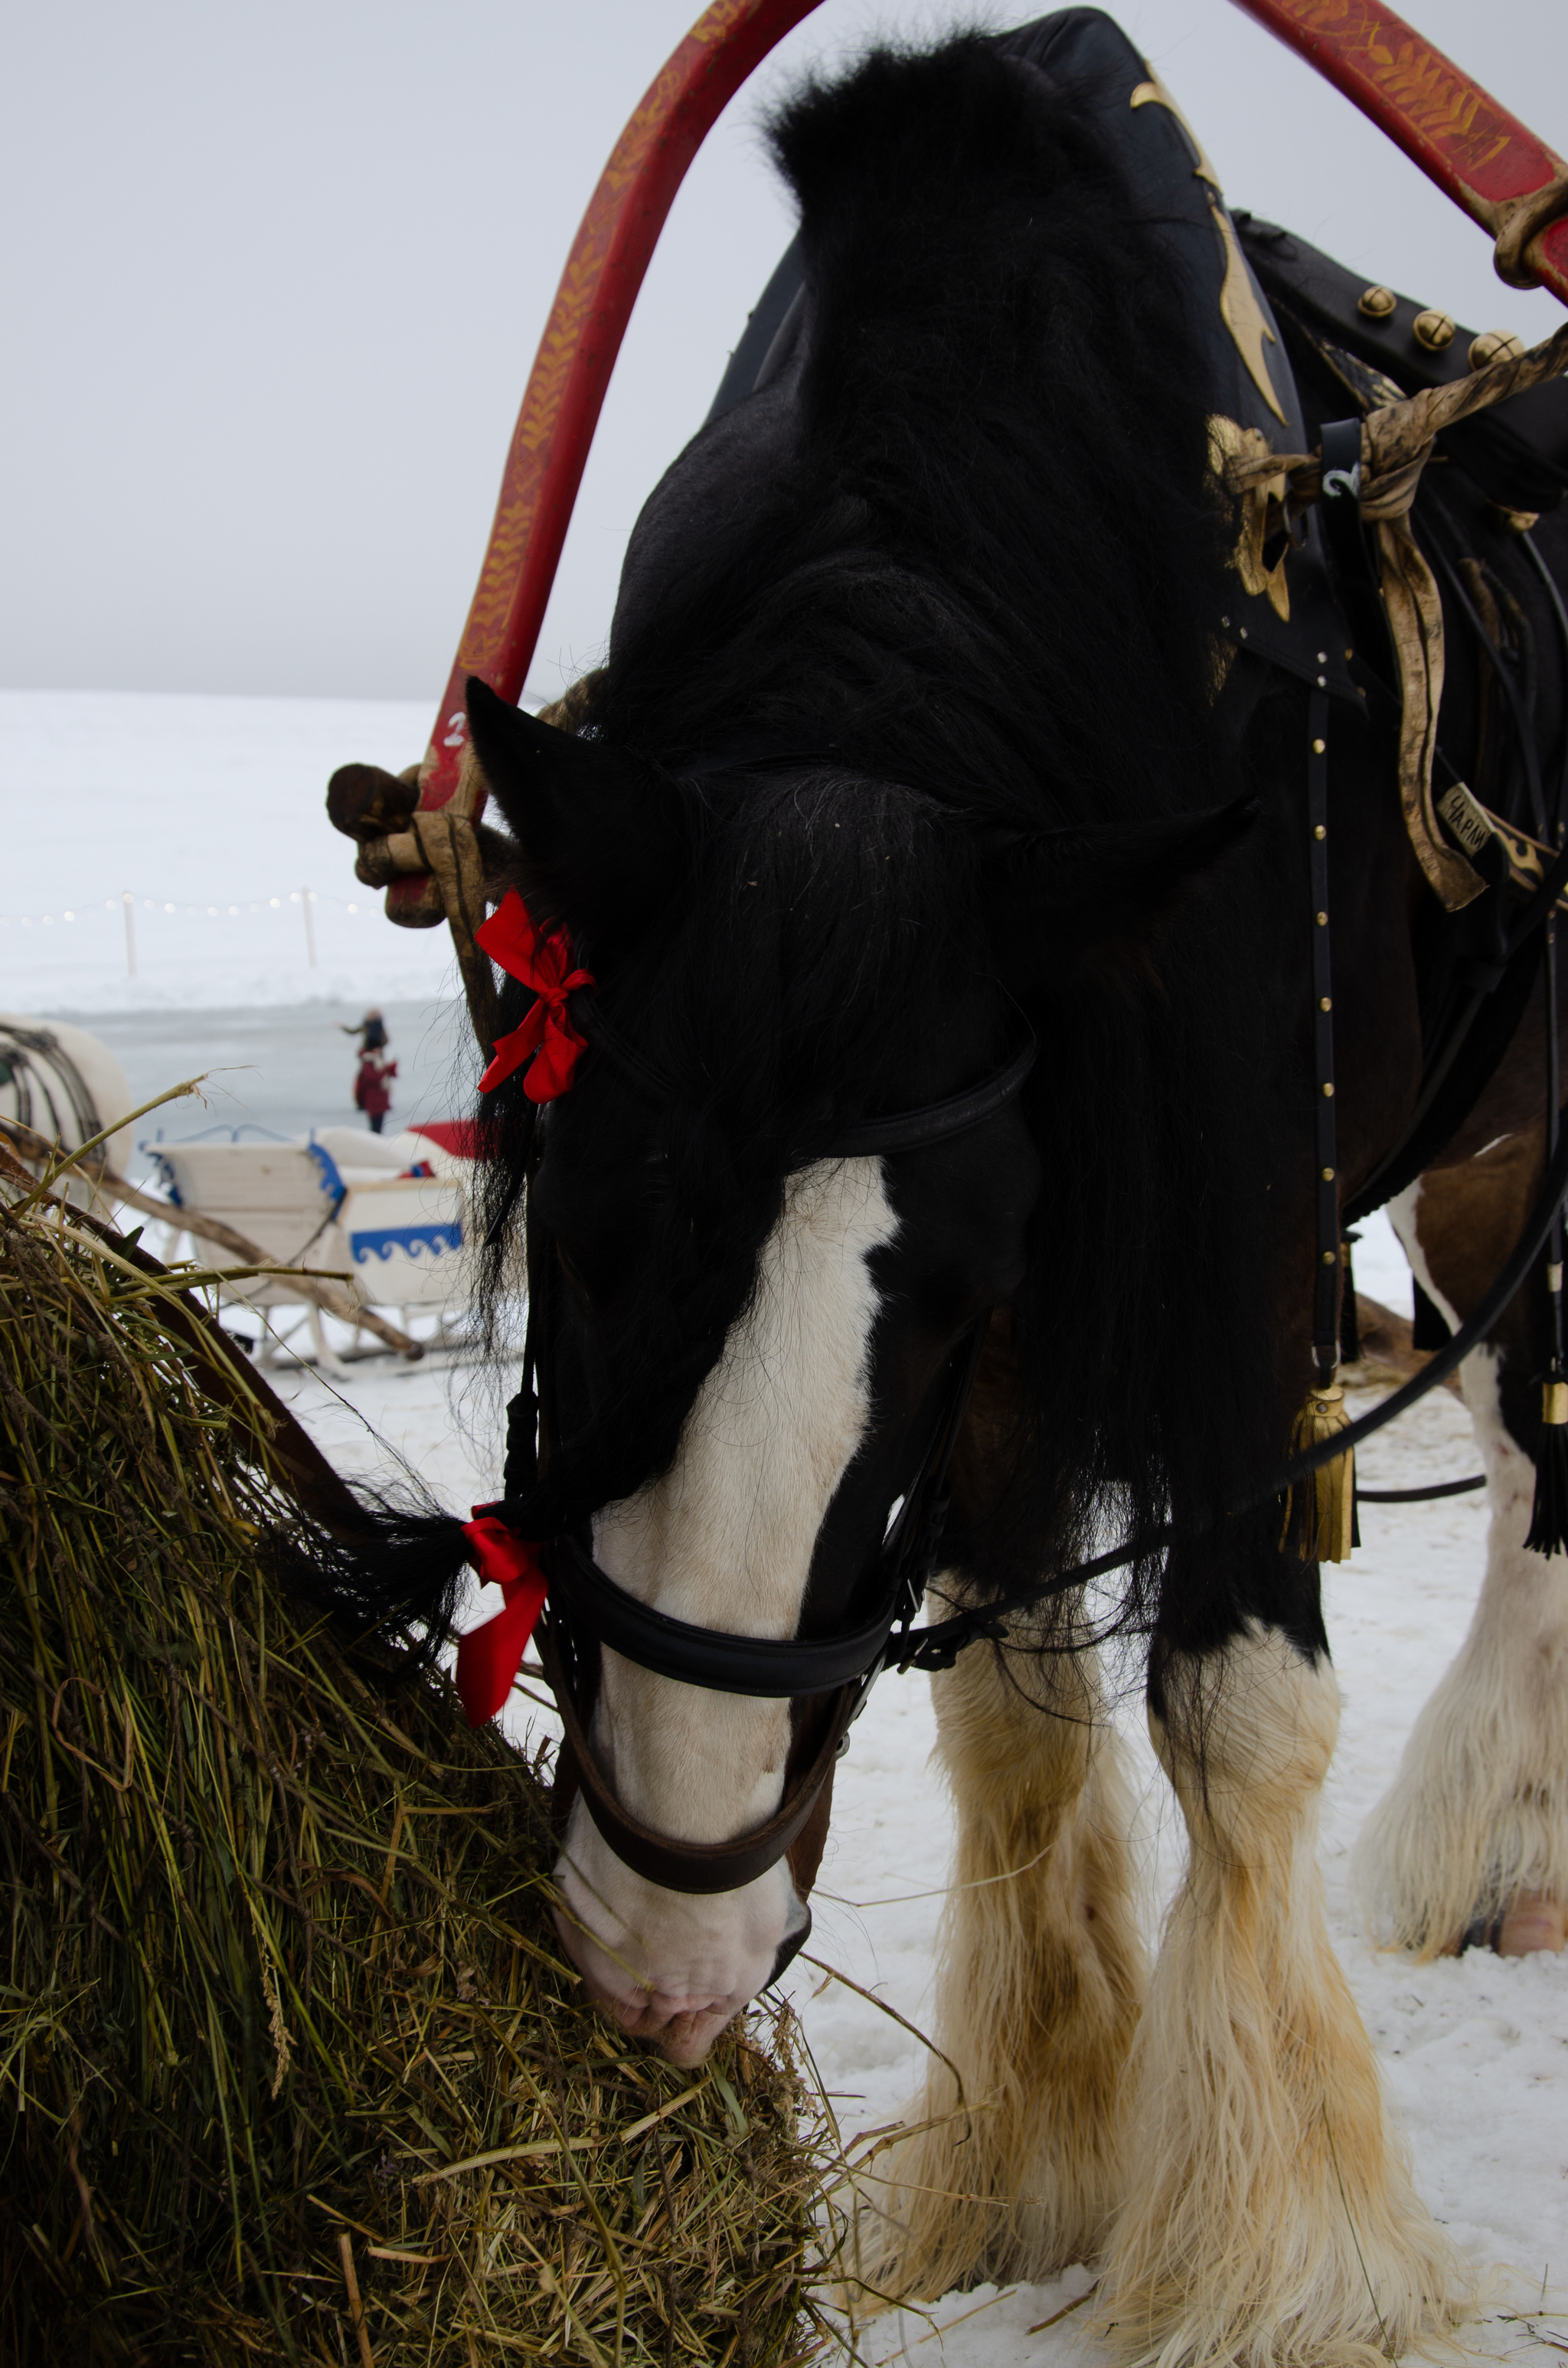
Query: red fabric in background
<point x="459" y="1136"/>
<point x="370" y="1091"/>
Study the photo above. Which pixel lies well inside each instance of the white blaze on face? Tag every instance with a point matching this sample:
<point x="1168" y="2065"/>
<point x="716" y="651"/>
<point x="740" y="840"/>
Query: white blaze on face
<point x="725" y="1541"/>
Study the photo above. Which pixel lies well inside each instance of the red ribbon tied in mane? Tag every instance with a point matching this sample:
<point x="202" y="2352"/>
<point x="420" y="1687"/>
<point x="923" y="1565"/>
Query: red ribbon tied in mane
<point x="546" y="1038"/>
<point x="490" y="1656"/>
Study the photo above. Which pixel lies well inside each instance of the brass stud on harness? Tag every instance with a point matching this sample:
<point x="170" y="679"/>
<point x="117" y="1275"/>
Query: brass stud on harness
<point x="1377" y="304"/>
<point x="1322" y="1517"/>
<point x="1493" y="345"/>
<point x="1434" y="329"/>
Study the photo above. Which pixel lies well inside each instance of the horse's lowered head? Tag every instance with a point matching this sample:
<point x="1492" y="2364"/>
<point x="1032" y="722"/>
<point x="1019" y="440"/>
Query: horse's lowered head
<point x="749" y="1331"/>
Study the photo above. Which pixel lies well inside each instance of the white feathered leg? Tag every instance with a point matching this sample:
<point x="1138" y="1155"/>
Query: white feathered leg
<point x="1474" y="1830"/>
<point x="1476" y="1821"/>
<point x="1270" y="2217"/>
<point x="1041" y="1973"/>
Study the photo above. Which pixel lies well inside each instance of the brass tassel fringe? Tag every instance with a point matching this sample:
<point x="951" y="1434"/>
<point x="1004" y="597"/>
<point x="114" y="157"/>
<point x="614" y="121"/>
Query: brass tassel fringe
<point x="1549" y="1519"/>
<point x="1328" y="1520"/>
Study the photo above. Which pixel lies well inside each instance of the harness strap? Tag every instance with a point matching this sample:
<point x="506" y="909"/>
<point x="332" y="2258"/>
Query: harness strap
<point x="702" y="1867"/>
<point x="1396" y="443"/>
<point x="1325" y="1280"/>
<point x="937" y="1123"/>
<point x="765" y="1667"/>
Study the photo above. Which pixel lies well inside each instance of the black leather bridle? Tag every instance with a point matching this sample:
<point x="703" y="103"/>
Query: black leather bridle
<point x="588" y="1610"/>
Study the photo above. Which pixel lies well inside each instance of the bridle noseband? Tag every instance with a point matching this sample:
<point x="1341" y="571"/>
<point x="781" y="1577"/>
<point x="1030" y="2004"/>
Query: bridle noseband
<point x="588" y="1610"/>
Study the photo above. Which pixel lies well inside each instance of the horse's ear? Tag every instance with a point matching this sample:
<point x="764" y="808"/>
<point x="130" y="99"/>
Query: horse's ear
<point x="1102" y="893"/>
<point x="599" y="839"/>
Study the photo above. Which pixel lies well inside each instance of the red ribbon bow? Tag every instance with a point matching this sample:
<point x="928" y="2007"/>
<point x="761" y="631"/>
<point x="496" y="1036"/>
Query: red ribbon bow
<point x="546" y="1037"/>
<point x="489" y="1656"/>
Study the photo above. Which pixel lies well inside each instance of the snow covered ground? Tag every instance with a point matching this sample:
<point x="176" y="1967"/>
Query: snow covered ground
<point x="1474" y="2049"/>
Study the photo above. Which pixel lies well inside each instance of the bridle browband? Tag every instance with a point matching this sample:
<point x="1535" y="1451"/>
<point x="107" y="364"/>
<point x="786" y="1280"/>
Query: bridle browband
<point x="587" y="1609"/>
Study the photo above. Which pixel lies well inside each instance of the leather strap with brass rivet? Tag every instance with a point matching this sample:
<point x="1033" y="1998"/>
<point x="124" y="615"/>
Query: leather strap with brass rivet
<point x="1325" y="1514"/>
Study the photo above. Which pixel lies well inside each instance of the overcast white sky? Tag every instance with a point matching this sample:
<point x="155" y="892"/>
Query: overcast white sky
<point x="273" y="276"/>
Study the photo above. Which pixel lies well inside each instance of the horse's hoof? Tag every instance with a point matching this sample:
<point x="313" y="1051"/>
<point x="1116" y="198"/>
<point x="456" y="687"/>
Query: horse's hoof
<point x="1532" y="1921"/>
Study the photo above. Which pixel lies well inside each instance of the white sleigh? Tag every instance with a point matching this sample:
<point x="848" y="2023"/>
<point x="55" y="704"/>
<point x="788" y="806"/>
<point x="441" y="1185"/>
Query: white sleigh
<point x="341" y="1201"/>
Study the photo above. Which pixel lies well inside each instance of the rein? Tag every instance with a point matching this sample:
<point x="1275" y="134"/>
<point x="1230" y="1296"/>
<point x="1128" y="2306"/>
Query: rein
<point x="936" y="1648"/>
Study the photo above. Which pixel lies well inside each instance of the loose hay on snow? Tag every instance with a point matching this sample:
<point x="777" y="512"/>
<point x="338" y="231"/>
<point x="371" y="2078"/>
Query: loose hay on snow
<point x="277" y="1967"/>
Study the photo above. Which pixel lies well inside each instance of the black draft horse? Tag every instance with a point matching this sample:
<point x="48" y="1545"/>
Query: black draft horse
<point x="922" y="736"/>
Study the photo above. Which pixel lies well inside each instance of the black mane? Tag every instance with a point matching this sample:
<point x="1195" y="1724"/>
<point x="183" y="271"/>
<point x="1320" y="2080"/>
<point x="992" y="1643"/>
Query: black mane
<point x="990" y="507"/>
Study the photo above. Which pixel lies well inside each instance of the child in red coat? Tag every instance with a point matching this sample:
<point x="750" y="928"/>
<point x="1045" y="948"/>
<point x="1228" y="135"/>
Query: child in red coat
<point x="371" y="1089"/>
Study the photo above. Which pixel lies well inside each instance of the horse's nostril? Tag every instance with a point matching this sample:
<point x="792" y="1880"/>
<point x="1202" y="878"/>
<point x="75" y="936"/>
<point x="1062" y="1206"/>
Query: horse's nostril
<point x="789" y="1945"/>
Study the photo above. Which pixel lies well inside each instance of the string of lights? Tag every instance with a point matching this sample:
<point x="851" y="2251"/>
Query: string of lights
<point x="133" y="908"/>
<point x="162" y="905"/>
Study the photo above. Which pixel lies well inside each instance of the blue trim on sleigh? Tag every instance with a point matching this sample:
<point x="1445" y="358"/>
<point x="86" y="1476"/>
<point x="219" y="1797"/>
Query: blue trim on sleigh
<point x="332" y="1183"/>
<point x="384" y="1240"/>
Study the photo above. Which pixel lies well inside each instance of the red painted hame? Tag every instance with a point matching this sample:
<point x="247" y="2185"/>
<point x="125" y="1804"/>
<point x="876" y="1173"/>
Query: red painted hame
<point x="1477" y="153"/>
<point x="576" y="355"/>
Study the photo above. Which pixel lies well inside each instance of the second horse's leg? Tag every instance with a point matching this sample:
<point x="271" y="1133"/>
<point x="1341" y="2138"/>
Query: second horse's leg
<point x="1472" y="1840"/>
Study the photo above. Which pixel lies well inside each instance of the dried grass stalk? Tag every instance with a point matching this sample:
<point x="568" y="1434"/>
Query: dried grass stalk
<point x="277" y="1968"/>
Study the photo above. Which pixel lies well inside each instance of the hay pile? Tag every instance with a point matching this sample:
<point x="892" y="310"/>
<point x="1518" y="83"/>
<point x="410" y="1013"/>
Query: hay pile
<point x="291" y="2066"/>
